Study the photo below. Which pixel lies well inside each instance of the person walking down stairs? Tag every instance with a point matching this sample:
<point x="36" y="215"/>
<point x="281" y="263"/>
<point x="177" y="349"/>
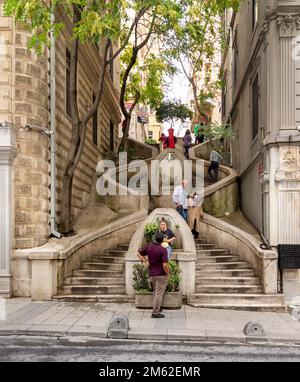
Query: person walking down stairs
<point x="215" y="158"/>
<point x="195" y="213"/>
<point x="156" y="258"/>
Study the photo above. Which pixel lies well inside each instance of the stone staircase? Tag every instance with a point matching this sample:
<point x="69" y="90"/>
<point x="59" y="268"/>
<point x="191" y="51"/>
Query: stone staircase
<point x="100" y="280"/>
<point x="224" y="281"/>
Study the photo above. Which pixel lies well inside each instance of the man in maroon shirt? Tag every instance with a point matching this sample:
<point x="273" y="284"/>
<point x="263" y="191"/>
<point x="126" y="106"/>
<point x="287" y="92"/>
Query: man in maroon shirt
<point x="156" y="258"/>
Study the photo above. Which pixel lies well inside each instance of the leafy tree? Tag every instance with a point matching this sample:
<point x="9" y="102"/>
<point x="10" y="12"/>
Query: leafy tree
<point x="173" y="112"/>
<point x="215" y="131"/>
<point x="196" y="43"/>
<point x="161" y="17"/>
<point x="101" y="22"/>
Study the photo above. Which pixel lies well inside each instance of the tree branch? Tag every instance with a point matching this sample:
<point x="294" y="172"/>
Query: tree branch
<point x="123" y="46"/>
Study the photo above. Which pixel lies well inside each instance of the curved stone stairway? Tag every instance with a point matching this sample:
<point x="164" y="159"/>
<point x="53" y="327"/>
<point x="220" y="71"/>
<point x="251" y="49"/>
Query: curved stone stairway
<point x="100" y="280"/>
<point x="103" y="278"/>
<point x="223" y="281"/>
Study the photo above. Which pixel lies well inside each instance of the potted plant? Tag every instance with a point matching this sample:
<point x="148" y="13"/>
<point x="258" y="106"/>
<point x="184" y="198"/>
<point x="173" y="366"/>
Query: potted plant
<point x="144" y="293"/>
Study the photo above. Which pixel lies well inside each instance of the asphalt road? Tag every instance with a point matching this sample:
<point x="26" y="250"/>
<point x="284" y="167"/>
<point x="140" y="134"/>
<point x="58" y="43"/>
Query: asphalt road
<point x="33" y="349"/>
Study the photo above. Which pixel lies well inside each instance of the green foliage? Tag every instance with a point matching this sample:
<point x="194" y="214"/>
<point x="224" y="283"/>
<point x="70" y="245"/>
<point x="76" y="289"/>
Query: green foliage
<point x="195" y="42"/>
<point x="215" y="131"/>
<point x="142" y="283"/>
<point x="174" y="278"/>
<point x="95" y="19"/>
<point x="150" y="141"/>
<point x="141" y="278"/>
<point x="150" y="230"/>
<point x="169" y="111"/>
<point x="146" y="79"/>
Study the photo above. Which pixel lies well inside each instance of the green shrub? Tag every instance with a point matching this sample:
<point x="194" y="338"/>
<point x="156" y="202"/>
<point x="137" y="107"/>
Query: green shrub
<point x="150" y="141"/>
<point x="174" y="278"/>
<point x="150" y="230"/>
<point x="142" y="283"/>
<point x="140" y="278"/>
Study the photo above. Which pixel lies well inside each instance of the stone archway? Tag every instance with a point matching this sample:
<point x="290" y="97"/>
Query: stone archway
<point x="186" y="255"/>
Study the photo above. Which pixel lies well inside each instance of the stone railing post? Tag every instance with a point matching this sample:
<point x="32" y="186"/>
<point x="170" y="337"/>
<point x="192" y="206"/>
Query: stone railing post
<point x="8" y="152"/>
<point x="187" y="265"/>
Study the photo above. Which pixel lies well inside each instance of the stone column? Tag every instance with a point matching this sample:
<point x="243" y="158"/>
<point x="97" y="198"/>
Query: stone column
<point x="287" y="178"/>
<point x="287" y="31"/>
<point x="7" y="154"/>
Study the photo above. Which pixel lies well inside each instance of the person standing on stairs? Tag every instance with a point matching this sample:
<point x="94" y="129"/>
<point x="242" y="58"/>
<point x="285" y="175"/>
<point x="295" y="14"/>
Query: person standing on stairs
<point x="195" y="213"/>
<point x="156" y="258"/>
<point x="199" y="133"/>
<point x="215" y="158"/>
<point x="180" y="199"/>
<point x="164" y="140"/>
<point x="187" y="140"/>
<point x="168" y="235"/>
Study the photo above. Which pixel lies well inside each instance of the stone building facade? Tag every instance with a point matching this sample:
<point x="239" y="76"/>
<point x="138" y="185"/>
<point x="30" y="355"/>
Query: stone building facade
<point x="24" y="100"/>
<point x="261" y="100"/>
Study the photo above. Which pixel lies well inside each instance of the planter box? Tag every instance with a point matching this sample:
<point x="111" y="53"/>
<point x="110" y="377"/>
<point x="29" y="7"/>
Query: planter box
<point x="171" y="300"/>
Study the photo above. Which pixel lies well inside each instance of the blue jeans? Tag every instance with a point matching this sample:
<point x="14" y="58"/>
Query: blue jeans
<point x="169" y="250"/>
<point x="183" y="212"/>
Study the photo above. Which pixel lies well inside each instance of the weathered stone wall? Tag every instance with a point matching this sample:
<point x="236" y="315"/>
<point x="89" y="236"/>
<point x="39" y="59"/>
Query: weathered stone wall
<point x="23" y="100"/>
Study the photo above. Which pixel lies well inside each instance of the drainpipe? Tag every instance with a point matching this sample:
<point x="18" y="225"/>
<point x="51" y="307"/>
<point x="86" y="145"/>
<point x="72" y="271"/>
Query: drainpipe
<point x="53" y="224"/>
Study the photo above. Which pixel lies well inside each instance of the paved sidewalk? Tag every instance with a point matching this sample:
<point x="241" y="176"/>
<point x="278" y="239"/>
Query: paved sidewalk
<point x="64" y="319"/>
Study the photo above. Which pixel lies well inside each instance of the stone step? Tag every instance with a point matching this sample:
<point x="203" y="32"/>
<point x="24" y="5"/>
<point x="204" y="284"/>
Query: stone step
<point x="235" y="298"/>
<point x="227" y="280"/>
<point x="205" y="246"/>
<point x="217" y="259"/>
<point x="93" y="289"/>
<point x="227" y="265"/>
<point x="96" y="273"/>
<point x="95" y="281"/>
<point x="200" y="241"/>
<point x="123" y="247"/>
<point x="108" y="259"/>
<point x="213" y="252"/>
<point x="113" y="252"/>
<point x="103" y="266"/>
<point x="106" y="298"/>
<point x="226" y="273"/>
<point x="260" y="307"/>
<point x="228" y="289"/>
